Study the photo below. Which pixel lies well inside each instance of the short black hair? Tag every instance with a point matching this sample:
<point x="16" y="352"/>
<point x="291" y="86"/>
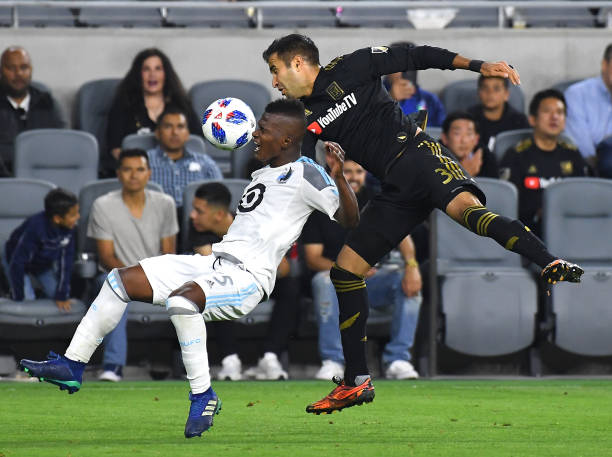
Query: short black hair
<point x="134" y="152"/>
<point x="215" y="193"/>
<point x="455" y="116"/>
<point x="608" y="53"/>
<point x="534" y="106"/>
<point x="172" y="109"/>
<point x="58" y="202"/>
<point x="289" y="46"/>
<point x="482" y="78"/>
<point x="289" y="107"/>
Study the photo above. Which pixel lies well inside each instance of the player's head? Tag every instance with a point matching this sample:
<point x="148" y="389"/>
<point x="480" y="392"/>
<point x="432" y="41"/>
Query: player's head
<point x="210" y="206"/>
<point x="172" y="129"/>
<point x="493" y="92"/>
<point x="547" y="112"/>
<point x="62" y="208"/>
<point x="460" y="133"/>
<point x="606" y="67"/>
<point x="15" y="71"/>
<point x="294" y="63"/>
<point x="354" y="174"/>
<point x="279" y="132"/>
<point x="133" y="170"/>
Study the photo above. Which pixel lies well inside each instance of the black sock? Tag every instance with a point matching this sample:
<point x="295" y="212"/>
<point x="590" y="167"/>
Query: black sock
<point x="353" y="309"/>
<point x="511" y="234"/>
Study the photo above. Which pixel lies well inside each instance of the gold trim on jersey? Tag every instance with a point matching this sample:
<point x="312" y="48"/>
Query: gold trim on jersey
<point x="453" y="170"/>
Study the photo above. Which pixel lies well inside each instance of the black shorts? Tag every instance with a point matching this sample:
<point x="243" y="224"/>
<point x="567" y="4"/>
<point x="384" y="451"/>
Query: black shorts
<point x="422" y="178"/>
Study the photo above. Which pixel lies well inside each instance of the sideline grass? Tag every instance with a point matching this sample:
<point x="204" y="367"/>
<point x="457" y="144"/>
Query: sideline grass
<point x="422" y="418"/>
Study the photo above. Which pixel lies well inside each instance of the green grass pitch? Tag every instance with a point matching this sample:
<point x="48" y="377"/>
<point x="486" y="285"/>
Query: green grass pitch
<point x="407" y="418"/>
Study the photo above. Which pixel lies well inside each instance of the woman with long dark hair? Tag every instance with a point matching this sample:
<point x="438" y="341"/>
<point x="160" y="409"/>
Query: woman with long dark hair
<point x="150" y="85"/>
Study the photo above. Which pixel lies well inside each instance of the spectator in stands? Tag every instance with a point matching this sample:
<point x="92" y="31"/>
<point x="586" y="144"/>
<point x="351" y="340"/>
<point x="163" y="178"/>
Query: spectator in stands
<point x="461" y="135"/>
<point x="42" y="249"/>
<point x="589" y="104"/>
<point x="542" y="159"/>
<point x="22" y="106"/>
<point x="129" y="224"/>
<point x="494" y="114"/>
<point x="173" y="164"/>
<point x="403" y="88"/>
<point x="389" y="286"/>
<point x="142" y="95"/>
<point x="210" y="221"/>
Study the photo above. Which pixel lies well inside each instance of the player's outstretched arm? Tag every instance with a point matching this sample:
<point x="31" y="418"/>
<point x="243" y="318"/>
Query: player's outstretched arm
<point x="348" y="212"/>
<point x="500" y="69"/>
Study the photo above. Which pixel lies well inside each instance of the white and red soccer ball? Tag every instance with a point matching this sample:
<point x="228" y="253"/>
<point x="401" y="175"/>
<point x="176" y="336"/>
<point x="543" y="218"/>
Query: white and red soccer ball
<point x="228" y="123"/>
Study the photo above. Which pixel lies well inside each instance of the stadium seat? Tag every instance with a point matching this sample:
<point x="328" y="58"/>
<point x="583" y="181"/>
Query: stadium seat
<point x="30" y="319"/>
<point x="93" y="102"/>
<point x="6" y="16"/>
<point x="253" y="94"/>
<point x="210" y="17"/>
<point x="67" y="158"/>
<point x="510" y="138"/>
<point x="476" y="17"/>
<point x="556" y="17"/>
<point x="563" y="85"/>
<point x="434" y="132"/>
<point x="236" y="187"/>
<point x="577" y="222"/>
<point x="195" y="143"/>
<point x="323" y="16"/>
<point x="461" y="95"/>
<point x="45" y="16"/>
<point x="120" y="16"/>
<point x="488" y="301"/>
<point x="374" y="17"/>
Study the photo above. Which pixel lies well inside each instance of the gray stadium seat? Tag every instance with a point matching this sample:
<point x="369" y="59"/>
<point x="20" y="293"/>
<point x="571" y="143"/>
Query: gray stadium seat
<point x="45" y="16"/>
<point x="195" y="143"/>
<point x="210" y="17"/>
<point x="476" y="17"/>
<point x="120" y="16"/>
<point x="323" y="16"/>
<point x="558" y="17"/>
<point x="434" y="132"/>
<point x="30" y="319"/>
<point x="93" y="102"/>
<point x="577" y="222"/>
<point x="510" y="138"/>
<point x="236" y="187"/>
<point x="376" y="17"/>
<point x="6" y="16"/>
<point x="461" y="95"/>
<point x="563" y="85"/>
<point x="253" y="94"/>
<point x="488" y="301"/>
<point x="67" y="158"/>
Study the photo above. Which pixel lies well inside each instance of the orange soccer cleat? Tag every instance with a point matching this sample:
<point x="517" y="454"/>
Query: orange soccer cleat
<point x="343" y="396"/>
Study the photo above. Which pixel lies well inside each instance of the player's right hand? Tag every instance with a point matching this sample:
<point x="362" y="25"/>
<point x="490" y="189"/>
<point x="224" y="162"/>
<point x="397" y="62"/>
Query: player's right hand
<point x="334" y="156"/>
<point x="501" y="70"/>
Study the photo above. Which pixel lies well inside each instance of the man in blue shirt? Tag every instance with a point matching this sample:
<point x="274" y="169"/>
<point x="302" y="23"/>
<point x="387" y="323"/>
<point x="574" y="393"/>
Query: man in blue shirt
<point x="43" y="247"/>
<point x="589" y="109"/>
<point x="173" y="165"/>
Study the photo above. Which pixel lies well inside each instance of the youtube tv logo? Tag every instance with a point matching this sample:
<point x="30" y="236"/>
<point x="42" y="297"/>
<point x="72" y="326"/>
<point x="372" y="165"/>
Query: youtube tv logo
<point x="315" y="128"/>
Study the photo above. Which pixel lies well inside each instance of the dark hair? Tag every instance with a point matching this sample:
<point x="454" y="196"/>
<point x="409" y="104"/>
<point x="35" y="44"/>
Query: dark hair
<point x="172" y="109"/>
<point x="58" y="202"/>
<point x="482" y="78"/>
<point x="608" y="53"/>
<point x="534" y="106"/>
<point x="288" y="107"/>
<point x="134" y="152"/>
<point x="215" y="193"/>
<point x="289" y="46"/>
<point x="129" y="91"/>
<point x="455" y="116"/>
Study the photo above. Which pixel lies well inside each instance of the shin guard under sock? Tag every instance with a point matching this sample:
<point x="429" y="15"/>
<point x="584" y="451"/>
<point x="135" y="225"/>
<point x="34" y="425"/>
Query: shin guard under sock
<point x="353" y="313"/>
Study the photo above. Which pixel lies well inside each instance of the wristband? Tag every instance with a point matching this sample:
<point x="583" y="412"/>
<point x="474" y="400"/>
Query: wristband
<point x="475" y="65"/>
<point x="412" y="263"/>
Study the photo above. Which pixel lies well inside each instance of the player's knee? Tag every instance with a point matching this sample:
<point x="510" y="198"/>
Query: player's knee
<point x="192" y="292"/>
<point x="113" y="279"/>
<point x="179" y="305"/>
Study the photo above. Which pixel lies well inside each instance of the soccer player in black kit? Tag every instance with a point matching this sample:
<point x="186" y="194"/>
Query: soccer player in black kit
<point x="346" y="102"/>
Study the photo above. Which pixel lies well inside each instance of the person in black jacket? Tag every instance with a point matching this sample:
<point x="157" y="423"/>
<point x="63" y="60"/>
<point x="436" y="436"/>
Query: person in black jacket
<point x="22" y="106"/>
<point x="345" y="102"/>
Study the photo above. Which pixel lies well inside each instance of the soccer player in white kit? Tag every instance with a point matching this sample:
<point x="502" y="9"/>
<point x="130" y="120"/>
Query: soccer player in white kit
<point x="239" y="273"/>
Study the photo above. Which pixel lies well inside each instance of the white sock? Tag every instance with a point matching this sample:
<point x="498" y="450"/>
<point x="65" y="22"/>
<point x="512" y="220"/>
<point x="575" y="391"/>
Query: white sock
<point x="103" y="316"/>
<point x="191" y="333"/>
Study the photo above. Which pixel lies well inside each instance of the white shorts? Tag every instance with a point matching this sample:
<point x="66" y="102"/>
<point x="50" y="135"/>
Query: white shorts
<point x="231" y="291"/>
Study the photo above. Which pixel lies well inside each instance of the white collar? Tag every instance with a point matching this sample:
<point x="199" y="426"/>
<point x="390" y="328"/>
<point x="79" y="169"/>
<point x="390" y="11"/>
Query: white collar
<point x="25" y="103"/>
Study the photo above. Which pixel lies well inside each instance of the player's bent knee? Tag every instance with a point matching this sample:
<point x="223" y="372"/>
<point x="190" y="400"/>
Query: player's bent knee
<point x="177" y="305"/>
<point x="193" y="292"/>
<point x="457" y="206"/>
<point x="113" y="279"/>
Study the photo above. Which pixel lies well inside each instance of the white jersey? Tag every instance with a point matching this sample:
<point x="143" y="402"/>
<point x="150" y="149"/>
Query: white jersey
<point x="272" y="213"/>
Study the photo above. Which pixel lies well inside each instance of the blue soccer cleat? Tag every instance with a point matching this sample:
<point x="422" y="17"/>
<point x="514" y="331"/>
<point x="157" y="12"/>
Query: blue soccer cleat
<point x="58" y="370"/>
<point x="203" y="408"/>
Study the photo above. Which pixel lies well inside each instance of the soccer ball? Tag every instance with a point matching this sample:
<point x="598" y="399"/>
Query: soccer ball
<point x="228" y="123"/>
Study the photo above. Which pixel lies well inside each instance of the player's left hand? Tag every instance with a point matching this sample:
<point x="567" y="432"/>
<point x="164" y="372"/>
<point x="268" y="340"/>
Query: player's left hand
<point x="412" y="281"/>
<point x="334" y="156"/>
<point x="501" y="70"/>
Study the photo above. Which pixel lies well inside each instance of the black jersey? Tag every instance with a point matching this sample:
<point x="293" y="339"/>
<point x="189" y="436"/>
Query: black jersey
<point x="350" y="106"/>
